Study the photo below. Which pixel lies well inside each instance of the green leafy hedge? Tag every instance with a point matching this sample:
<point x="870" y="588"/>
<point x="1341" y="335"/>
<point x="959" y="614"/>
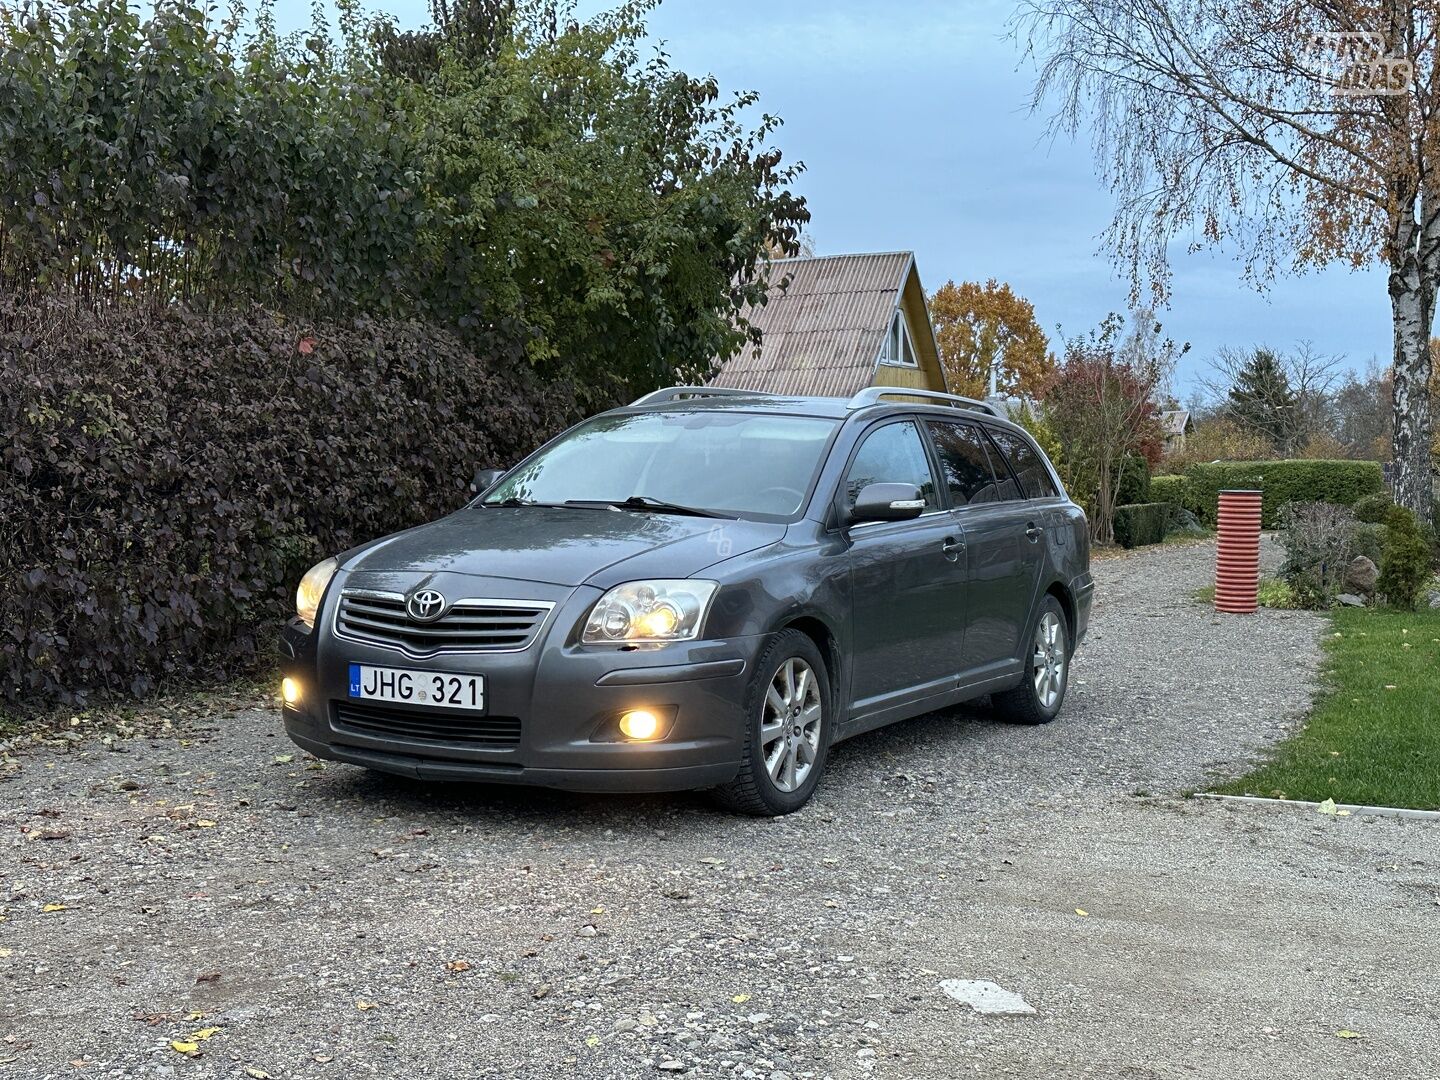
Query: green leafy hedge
<point x="1142" y="523"/>
<point x="1339" y="482"/>
<point x="1171" y="489"/>
<point x="165" y="481"/>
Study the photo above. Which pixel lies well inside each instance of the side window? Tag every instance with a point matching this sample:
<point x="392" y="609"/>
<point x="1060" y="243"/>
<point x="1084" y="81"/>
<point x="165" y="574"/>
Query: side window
<point x="892" y="454"/>
<point x="965" y="463"/>
<point x="1027" y="464"/>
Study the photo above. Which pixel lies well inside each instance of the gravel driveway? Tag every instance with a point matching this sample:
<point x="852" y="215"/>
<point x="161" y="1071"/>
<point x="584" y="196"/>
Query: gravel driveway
<point x="288" y="919"/>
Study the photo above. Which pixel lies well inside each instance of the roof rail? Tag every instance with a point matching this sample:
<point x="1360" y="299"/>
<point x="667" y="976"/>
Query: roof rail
<point x="675" y="393"/>
<point x="871" y="395"/>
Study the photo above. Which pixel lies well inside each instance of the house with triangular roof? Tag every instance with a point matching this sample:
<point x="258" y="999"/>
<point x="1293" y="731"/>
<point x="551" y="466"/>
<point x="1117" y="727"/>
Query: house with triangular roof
<point x="835" y="324"/>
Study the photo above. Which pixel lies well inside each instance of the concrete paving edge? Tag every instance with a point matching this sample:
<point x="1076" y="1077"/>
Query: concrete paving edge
<point x="1355" y="811"/>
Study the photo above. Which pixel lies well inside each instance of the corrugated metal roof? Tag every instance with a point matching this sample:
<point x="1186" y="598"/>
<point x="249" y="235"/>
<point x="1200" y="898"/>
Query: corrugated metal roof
<point x="822" y="333"/>
<point x="1175" y="421"/>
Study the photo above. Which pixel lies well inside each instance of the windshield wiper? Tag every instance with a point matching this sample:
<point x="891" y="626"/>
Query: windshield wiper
<point x="645" y="502"/>
<point x="512" y="501"/>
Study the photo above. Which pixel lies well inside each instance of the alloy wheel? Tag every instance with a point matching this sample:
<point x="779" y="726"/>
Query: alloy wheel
<point x="1048" y="666"/>
<point x="791" y="725"/>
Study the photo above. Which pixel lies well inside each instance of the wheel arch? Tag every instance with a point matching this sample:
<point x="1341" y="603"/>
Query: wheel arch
<point x="828" y="642"/>
<point x="1062" y="593"/>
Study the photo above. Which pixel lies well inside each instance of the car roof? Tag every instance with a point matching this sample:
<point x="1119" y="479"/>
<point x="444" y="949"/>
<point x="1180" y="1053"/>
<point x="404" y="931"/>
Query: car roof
<point x="832" y="408"/>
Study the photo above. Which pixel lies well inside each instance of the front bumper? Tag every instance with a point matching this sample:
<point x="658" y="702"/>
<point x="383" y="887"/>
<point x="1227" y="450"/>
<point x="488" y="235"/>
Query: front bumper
<point x="562" y="695"/>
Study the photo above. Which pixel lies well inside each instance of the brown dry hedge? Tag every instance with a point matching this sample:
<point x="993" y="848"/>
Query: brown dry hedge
<point x="166" y="478"/>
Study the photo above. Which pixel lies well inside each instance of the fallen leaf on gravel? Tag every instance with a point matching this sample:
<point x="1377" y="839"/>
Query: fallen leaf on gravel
<point x="592" y="1040"/>
<point x="195" y="1016"/>
<point x="541" y="991"/>
<point x="186" y="1048"/>
<point x="739" y="999"/>
<point x="204" y="824"/>
<point x="284" y="759"/>
<point x="458" y="965"/>
<point x="1082" y="911"/>
<point x="207" y="977"/>
<point x="597" y="911"/>
<point x="5" y="952"/>
<point x="323" y="1058"/>
<point x="55" y="907"/>
<point x="1326" y="807"/>
<point x="1345" y="1033"/>
<point x="363" y="1005"/>
<point x="256" y="1074"/>
<point x="204" y="1033"/>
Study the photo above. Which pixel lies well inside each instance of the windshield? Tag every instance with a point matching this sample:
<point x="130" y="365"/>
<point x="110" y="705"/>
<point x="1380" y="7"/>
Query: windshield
<point x="745" y="464"/>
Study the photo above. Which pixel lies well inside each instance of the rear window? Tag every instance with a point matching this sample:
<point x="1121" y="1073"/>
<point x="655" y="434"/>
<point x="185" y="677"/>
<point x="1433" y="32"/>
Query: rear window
<point x="965" y="463"/>
<point x="1027" y="465"/>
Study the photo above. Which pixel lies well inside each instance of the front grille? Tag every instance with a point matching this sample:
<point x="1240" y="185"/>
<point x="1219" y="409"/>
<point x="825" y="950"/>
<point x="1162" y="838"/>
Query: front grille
<point x="469" y="625"/>
<point x="438" y="725"/>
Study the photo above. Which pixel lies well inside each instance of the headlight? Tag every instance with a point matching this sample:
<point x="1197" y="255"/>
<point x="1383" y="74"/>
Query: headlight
<point x="312" y="588"/>
<point x="649" y="611"/>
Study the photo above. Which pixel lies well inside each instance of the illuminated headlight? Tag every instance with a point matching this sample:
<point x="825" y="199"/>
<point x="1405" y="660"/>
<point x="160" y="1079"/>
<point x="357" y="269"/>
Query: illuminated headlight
<point x="649" y="611"/>
<point x="312" y="588"/>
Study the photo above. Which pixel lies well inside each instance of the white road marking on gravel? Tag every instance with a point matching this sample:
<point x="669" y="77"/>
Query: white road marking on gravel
<point x="987" y="998"/>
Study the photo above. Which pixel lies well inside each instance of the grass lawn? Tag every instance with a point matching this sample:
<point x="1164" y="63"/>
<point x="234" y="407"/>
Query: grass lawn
<point x="1374" y="737"/>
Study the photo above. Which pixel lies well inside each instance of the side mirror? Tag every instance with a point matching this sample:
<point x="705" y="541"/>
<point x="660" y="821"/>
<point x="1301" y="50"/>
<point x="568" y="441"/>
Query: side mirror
<point x="485" y="479"/>
<point x="887" y="502"/>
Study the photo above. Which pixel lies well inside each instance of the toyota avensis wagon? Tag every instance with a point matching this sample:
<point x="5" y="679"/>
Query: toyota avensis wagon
<point x="706" y="589"/>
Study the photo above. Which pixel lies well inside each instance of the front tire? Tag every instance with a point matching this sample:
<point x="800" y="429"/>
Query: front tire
<point x="1041" y="692"/>
<point x="787" y="713"/>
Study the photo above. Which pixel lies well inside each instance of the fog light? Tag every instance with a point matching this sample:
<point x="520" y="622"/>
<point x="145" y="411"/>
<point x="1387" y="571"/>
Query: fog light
<point x="289" y="690"/>
<point x="639" y="724"/>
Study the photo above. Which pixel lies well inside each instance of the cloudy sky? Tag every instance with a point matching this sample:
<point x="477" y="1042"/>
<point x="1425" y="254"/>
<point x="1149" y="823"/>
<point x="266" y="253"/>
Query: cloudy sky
<point x="912" y="119"/>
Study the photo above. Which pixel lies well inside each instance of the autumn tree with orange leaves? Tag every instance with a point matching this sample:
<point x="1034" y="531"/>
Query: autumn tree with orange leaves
<point x="978" y="326"/>
<point x="1293" y="134"/>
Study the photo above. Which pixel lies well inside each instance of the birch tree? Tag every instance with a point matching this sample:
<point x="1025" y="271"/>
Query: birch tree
<point x="1294" y="135"/>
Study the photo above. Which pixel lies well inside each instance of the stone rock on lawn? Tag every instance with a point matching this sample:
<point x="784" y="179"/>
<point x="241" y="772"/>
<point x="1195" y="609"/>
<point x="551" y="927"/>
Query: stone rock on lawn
<point x="1435" y="599"/>
<point x="1350" y="600"/>
<point x="1360" y="576"/>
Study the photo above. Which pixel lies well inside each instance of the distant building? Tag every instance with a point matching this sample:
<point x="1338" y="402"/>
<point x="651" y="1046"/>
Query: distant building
<point x="840" y="324"/>
<point x="1175" y="424"/>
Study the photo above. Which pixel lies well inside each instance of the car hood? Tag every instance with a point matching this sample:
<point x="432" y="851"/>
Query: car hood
<point x="564" y="545"/>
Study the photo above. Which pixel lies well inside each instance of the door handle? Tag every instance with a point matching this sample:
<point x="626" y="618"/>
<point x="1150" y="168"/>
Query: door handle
<point x="1034" y="532"/>
<point x="952" y="547"/>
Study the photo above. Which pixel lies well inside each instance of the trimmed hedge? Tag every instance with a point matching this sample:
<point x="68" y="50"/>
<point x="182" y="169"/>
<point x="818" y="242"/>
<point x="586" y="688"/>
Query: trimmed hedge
<point x="165" y="480"/>
<point x="1171" y="489"/>
<point x="1142" y="523"/>
<point x="1339" y="482"/>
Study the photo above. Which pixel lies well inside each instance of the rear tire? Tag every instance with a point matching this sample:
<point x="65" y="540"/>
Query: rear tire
<point x="788" y="712"/>
<point x="1041" y="692"/>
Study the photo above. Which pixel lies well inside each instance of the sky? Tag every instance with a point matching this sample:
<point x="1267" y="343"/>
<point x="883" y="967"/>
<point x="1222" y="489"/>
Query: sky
<point x="913" y="121"/>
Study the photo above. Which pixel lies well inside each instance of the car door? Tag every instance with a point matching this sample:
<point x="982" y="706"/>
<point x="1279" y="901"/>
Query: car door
<point x="907" y="578"/>
<point x="1000" y="580"/>
<point x="1031" y="495"/>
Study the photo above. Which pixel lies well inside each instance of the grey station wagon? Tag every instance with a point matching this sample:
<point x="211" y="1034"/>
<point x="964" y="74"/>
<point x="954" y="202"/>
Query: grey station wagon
<point x="706" y="589"/>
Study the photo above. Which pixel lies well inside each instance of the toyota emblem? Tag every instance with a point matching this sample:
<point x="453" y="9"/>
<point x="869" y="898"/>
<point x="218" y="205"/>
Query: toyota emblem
<point x="425" y="605"/>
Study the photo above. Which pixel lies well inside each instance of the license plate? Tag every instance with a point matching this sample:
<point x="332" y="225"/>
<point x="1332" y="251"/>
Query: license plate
<point x="406" y="686"/>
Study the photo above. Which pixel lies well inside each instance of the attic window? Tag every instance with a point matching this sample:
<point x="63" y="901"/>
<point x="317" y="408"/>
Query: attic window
<point x="898" y="349"/>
